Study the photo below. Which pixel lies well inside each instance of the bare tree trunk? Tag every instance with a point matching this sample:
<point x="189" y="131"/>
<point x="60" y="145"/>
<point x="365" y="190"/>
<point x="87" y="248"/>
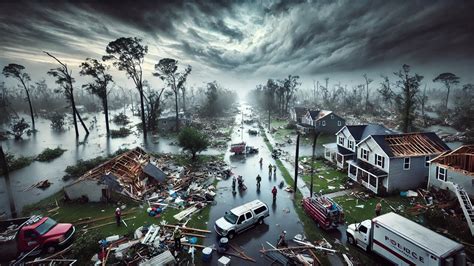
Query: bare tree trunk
<point x="73" y="105"/>
<point x="142" y="106"/>
<point x="106" y="111"/>
<point x="176" y="109"/>
<point x="29" y="103"/>
<point x="82" y="122"/>
<point x="4" y="166"/>
<point x="447" y="97"/>
<point x="184" y="99"/>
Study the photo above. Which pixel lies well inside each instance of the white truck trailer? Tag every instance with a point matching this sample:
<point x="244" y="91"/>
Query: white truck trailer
<point x="405" y="242"/>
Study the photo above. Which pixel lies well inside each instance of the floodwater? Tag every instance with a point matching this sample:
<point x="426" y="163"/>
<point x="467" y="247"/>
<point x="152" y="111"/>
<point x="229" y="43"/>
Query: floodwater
<point x="282" y="212"/>
<point x="96" y="144"/>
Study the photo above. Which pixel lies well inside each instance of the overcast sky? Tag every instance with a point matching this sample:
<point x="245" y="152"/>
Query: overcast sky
<point x="241" y="44"/>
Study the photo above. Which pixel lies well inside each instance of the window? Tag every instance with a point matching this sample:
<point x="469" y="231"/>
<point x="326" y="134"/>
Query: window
<point x="230" y="217"/>
<point x="332" y="116"/>
<point x="241" y="219"/>
<point x="364" y="154"/>
<point x="441" y="174"/>
<point x="427" y="161"/>
<point x="373" y="181"/>
<point x="363" y="229"/>
<point x="341" y="140"/>
<point x="30" y="234"/>
<point x="379" y="160"/>
<point x="248" y="215"/>
<point x="339" y="123"/>
<point x="351" y="144"/>
<point x="324" y="123"/>
<point x="406" y="163"/>
<point x="46" y="226"/>
<point x="260" y="210"/>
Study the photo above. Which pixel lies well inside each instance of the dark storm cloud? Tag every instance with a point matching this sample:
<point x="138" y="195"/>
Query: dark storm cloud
<point x="264" y="38"/>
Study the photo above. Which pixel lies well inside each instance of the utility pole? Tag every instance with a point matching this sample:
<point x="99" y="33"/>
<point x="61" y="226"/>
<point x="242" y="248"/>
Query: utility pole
<point x="4" y="167"/>
<point x="296" y="161"/>
<point x="316" y="134"/>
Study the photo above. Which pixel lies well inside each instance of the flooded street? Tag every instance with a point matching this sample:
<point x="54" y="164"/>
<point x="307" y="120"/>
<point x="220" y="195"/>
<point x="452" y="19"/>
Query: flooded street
<point x="96" y="144"/>
<point x="282" y="212"/>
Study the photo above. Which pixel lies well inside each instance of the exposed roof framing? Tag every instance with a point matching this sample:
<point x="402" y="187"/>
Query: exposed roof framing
<point x="460" y="160"/>
<point x="414" y="144"/>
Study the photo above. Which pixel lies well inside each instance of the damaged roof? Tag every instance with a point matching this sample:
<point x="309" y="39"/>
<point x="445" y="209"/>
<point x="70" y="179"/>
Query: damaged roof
<point x="300" y="111"/>
<point x="460" y="160"/>
<point x="411" y="144"/>
<point x="126" y="171"/>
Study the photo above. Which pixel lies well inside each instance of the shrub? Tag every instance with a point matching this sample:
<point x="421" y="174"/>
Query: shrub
<point x="57" y="122"/>
<point x="121" y="133"/>
<point x="49" y="154"/>
<point x="121" y="119"/>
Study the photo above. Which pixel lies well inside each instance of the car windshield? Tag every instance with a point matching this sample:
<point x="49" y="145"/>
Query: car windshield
<point x="231" y="218"/>
<point x="46" y="226"/>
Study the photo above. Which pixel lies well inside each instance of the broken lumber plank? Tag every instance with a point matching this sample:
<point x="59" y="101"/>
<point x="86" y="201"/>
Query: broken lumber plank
<point x="188" y="228"/>
<point x="313" y="246"/>
<point x="97" y="226"/>
<point x="196" y="235"/>
<point x="81" y="222"/>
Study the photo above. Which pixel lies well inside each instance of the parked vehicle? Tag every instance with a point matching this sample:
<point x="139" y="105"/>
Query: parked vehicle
<point x="241" y="218"/>
<point x="238" y="148"/>
<point x="405" y="242"/>
<point x="35" y="234"/>
<point x="251" y="150"/>
<point x="324" y="211"/>
<point x="253" y="131"/>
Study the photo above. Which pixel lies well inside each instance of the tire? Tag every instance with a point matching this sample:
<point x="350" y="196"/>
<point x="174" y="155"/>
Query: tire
<point x="260" y="220"/>
<point x="231" y="235"/>
<point x="350" y="239"/>
<point x="50" y="249"/>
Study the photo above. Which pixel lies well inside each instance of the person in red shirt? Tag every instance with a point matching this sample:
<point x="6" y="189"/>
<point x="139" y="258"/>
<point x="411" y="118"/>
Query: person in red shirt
<point x="274" y="192"/>
<point x="118" y="216"/>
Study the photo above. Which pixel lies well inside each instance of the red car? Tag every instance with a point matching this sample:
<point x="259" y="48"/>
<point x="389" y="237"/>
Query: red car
<point x="40" y="234"/>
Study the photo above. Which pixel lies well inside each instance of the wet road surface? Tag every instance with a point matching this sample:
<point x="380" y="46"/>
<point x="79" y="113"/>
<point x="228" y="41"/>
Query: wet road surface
<point x="282" y="213"/>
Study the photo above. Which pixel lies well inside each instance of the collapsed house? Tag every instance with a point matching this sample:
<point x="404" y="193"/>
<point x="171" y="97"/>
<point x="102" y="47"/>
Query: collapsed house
<point x="387" y="163"/>
<point x="347" y="138"/>
<point x="129" y="174"/>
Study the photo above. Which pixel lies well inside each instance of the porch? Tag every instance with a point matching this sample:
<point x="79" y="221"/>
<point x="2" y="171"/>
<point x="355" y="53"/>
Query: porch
<point x="342" y="156"/>
<point x="330" y="151"/>
<point x="367" y="175"/>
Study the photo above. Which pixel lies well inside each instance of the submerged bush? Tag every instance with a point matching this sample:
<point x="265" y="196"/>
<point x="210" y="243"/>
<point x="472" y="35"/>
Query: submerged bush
<point x="74" y="171"/>
<point x="121" y="133"/>
<point x="121" y="119"/>
<point x="57" y="121"/>
<point x="50" y="154"/>
<point x="15" y="163"/>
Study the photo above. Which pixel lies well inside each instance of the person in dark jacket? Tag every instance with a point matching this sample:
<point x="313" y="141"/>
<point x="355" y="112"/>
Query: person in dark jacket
<point x="118" y="216"/>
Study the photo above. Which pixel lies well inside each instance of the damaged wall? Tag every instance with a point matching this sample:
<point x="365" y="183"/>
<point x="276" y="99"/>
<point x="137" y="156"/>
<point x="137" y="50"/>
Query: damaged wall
<point x="411" y="178"/>
<point x="459" y="178"/>
<point x="89" y="188"/>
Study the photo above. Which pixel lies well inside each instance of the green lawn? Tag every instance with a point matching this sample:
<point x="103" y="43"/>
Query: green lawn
<point x="357" y="210"/>
<point x="326" y="178"/>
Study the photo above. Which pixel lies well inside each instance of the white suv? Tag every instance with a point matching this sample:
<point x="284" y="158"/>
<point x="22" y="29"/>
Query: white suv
<point x="241" y="218"/>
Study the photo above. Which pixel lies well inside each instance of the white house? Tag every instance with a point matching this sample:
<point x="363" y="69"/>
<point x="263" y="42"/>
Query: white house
<point x="347" y="138"/>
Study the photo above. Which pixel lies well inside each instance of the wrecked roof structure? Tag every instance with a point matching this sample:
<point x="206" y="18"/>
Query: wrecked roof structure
<point x="126" y="173"/>
<point x="460" y="160"/>
<point x="411" y="144"/>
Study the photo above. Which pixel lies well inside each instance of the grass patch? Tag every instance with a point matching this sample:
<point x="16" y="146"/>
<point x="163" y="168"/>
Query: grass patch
<point x="355" y="214"/>
<point x="120" y="133"/>
<point x="333" y="180"/>
<point x="50" y="154"/>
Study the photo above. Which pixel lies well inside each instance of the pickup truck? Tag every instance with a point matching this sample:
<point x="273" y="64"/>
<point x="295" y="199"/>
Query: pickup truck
<point x="33" y="235"/>
<point x="404" y="242"/>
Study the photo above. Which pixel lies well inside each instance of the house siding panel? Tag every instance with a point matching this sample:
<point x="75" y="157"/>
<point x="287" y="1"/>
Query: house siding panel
<point x="88" y="188"/>
<point x="400" y="179"/>
<point x="331" y="126"/>
<point x="453" y="176"/>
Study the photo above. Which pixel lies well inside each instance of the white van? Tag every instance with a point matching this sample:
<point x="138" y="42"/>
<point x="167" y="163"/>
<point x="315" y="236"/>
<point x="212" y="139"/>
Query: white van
<point x="241" y="218"/>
